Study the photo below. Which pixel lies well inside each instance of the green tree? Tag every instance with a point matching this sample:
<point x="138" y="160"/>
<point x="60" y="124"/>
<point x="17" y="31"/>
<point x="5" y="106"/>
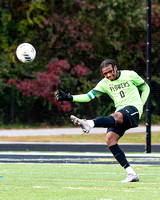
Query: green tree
<point x="83" y="33"/>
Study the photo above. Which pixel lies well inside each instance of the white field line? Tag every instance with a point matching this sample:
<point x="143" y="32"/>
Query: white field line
<point x="152" y="155"/>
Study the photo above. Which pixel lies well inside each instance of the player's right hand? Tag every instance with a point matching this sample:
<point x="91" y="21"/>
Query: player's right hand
<point x="62" y="96"/>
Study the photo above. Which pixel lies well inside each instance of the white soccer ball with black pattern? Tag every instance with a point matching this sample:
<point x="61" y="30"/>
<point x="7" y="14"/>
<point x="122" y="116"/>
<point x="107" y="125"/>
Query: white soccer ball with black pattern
<point x="26" y="52"/>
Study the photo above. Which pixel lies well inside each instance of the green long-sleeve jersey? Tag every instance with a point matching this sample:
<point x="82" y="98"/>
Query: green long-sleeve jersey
<point x="124" y="91"/>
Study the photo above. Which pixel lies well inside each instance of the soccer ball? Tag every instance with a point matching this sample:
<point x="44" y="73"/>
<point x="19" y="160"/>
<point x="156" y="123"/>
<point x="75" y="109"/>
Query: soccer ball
<point x="26" y="52"/>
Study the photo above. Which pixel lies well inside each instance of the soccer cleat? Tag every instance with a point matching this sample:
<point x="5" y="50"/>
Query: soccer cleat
<point x="82" y="122"/>
<point x="131" y="178"/>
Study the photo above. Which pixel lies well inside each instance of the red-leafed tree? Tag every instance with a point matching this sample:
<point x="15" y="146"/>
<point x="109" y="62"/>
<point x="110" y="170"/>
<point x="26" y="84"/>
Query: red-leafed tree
<point x="46" y="83"/>
<point x="68" y="38"/>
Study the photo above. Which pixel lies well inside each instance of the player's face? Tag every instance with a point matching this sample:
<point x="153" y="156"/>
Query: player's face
<point x="109" y="72"/>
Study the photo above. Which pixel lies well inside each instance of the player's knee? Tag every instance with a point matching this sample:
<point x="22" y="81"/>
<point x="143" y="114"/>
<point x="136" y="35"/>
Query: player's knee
<point x="112" y="138"/>
<point x="118" y="116"/>
<point x="110" y="141"/>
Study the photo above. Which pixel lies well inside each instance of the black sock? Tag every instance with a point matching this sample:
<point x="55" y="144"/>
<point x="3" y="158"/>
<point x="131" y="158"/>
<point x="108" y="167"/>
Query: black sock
<point x="104" y="121"/>
<point x="119" y="155"/>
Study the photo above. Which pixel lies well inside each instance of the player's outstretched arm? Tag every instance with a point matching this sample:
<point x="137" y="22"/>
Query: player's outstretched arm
<point x="62" y="96"/>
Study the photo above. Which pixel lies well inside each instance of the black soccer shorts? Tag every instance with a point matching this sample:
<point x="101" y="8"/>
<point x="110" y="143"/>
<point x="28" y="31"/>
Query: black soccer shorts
<point x="130" y="120"/>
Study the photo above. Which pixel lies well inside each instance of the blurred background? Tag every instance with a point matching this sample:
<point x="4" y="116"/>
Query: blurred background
<point x="71" y="39"/>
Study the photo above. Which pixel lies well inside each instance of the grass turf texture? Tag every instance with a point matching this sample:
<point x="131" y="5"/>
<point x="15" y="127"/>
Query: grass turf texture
<point x="93" y="138"/>
<point x="76" y="182"/>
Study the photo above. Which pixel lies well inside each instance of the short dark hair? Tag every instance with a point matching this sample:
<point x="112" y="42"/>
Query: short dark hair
<point x="107" y="62"/>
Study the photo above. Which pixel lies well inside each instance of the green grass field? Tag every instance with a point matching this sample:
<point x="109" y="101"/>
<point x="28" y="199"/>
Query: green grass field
<point x="76" y="182"/>
<point x="97" y="138"/>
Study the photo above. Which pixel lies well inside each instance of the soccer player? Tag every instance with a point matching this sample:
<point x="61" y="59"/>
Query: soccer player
<point x="123" y="87"/>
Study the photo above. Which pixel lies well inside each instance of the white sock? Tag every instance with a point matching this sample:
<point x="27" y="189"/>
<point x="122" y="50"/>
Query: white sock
<point x="130" y="170"/>
<point x="91" y="123"/>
